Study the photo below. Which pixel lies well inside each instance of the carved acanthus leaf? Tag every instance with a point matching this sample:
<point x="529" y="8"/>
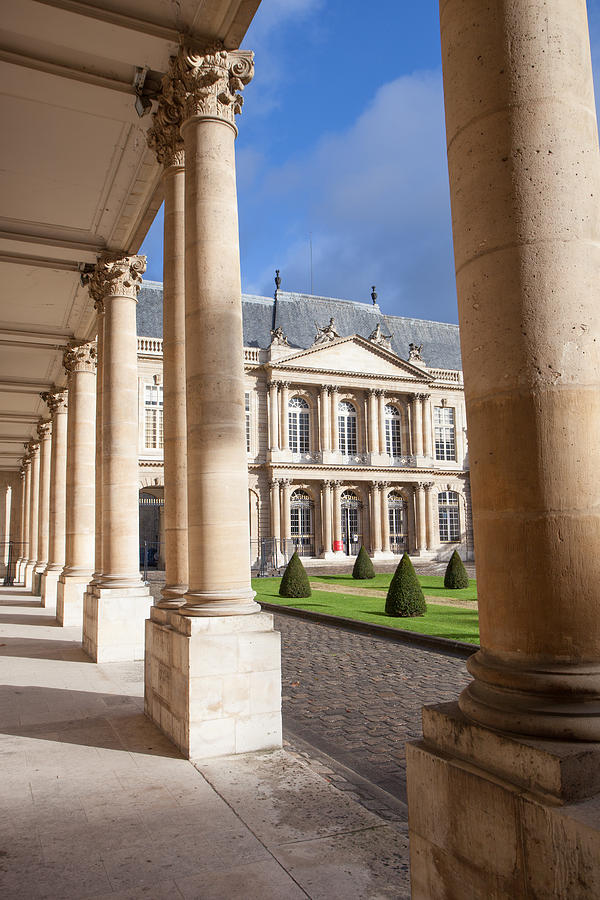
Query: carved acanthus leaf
<point x="164" y="137"/>
<point x="44" y="430"/>
<point x="116" y="275"/>
<point x="56" y="401"/>
<point x="80" y="357"/>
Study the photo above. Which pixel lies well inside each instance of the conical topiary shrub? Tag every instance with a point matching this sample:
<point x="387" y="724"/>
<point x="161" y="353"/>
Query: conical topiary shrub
<point x="456" y="575"/>
<point x="404" y="596"/>
<point x="363" y="567"/>
<point x="295" y="580"/>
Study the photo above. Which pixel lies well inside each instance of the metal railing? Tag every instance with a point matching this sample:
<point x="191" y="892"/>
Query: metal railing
<point x="10" y="552"/>
<point x="151" y="557"/>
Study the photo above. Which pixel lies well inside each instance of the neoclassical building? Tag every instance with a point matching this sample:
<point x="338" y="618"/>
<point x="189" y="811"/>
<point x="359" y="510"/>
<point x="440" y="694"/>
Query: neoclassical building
<point x="355" y="430"/>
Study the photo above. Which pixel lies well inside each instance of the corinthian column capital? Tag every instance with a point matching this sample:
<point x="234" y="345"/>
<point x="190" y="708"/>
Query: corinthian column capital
<point x="44" y="429"/>
<point x="206" y="82"/>
<point x="80" y="358"/>
<point x="164" y="136"/>
<point x="56" y="401"/>
<point x="116" y="275"/>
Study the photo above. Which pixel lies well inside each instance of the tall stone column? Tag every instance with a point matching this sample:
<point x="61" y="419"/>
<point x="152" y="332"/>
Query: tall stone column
<point x="430" y="529"/>
<point x="325" y="426"/>
<point x="220" y="631"/>
<point x="165" y="139"/>
<point x="335" y="434"/>
<point x="56" y="401"/>
<point x="421" y="521"/>
<point x="326" y="519"/>
<point x="79" y="361"/>
<point x="286" y="525"/>
<point x="34" y="511"/>
<point x="373" y="430"/>
<point x="385" y="518"/>
<point x="338" y="544"/>
<point x="427" y="426"/>
<point x="21" y="558"/>
<point x="273" y="416"/>
<point x="117" y="604"/>
<point x="44" y="431"/>
<point x="276" y="513"/>
<point x="524" y="181"/>
<point x="381" y="420"/>
<point x="284" y="396"/>
<point x="25" y="518"/>
<point x="99" y="528"/>
<point x="417" y="425"/>
<point x="376" y="536"/>
<point x="8" y="537"/>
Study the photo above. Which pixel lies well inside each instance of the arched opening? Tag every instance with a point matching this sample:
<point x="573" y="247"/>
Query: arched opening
<point x="299" y="425"/>
<point x="449" y="516"/>
<point x="393" y="431"/>
<point x="347" y="428"/>
<point x="152" y="551"/>
<point x="397" y="517"/>
<point x="351" y="523"/>
<point x="302" y="523"/>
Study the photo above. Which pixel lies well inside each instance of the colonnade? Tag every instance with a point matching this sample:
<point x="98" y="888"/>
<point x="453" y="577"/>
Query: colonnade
<point x="420" y="514"/>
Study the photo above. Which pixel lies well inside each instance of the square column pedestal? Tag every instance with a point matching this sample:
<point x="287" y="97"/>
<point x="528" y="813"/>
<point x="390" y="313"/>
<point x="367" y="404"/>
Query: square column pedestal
<point x="499" y="816"/>
<point x="213" y="684"/>
<point x="69" y="599"/>
<point x="113" y="622"/>
<point x="49" y="589"/>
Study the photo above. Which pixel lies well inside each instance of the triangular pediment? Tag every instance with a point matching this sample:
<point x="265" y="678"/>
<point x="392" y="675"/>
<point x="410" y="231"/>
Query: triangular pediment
<point x="351" y="355"/>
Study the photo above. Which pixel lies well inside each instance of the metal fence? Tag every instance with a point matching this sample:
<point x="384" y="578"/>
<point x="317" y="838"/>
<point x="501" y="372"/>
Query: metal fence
<point x="152" y="557"/>
<point x="270" y="556"/>
<point x="10" y="552"/>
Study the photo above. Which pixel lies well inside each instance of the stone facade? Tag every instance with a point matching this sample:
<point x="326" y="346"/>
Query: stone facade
<point x="349" y="440"/>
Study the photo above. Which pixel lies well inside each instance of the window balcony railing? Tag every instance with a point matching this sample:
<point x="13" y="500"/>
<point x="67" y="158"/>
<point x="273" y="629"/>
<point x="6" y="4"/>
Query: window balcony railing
<point x="150" y="346"/>
<point x="407" y="462"/>
<point x="451" y="375"/>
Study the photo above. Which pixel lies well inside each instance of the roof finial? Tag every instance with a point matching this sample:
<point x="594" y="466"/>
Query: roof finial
<point x="374" y="295"/>
<point x="277" y="280"/>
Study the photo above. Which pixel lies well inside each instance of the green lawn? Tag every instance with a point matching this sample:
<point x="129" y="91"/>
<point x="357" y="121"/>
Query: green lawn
<point x="433" y="585"/>
<point x="441" y="621"/>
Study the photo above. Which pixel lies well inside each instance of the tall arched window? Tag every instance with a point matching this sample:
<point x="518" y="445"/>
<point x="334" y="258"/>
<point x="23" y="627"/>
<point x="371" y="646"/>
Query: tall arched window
<point x="397" y="520"/>
<point x="393" y="431"/>
<point x="351" y="524"/>
<point x="299" y="425"/>
<point x="302" y="523"/>
<point x="347" y="428"/>
<point x="449" y="516"/>
<point x="153" y="416"/>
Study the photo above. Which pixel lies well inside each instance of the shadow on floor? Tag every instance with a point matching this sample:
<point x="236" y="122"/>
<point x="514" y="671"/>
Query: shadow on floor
<point x="16" y="619"/>
<point x="104" y="721"/>
<point x="30" y="648"/>
<point x="36" y="603"/>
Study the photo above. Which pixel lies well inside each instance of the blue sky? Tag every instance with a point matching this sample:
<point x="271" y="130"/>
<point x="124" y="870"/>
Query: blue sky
<point x="342" y="140"/>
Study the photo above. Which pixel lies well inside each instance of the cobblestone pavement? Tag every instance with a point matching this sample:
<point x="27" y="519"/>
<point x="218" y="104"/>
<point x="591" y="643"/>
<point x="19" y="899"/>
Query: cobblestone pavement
<point x="358" y="698"/>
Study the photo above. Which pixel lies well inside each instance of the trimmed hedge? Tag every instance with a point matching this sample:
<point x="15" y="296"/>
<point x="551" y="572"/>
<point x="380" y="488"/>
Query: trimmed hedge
<point x="295" y="580"/>
<point x="456" y="576"/>
<point x="363" y="567"/>
<point x="405" y="597"/>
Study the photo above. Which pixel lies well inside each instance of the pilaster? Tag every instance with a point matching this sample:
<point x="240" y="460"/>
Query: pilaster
<point x="56" y="401"/>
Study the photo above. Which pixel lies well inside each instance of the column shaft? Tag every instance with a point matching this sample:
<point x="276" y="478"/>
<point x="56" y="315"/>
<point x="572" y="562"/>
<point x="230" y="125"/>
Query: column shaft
<point x="376" y="537"/>
<point x="34" y="509"/>
<point x="26" y="519"/>
<point x="324" y="423"/>
<point x="99" y="528"/>
<point x="326" y="516"/>
<point x="57" y="403"/>
<point x="385" y="520"/>
<point x="285" y="512"/>
<point x="430" y="529"/>
<point x="175" y="427"/>
<point x="417" y="425"/>
<point x="275" y="512"/>
<point x="373" y="430"/>
<point x="381" y="421"/>
<point x="45" y="435"/>
<point x="421" y="529"/>
<point x="273" y="416"/>
<point x="337" y="517"/>
<point x="335" y="434"/>
<point x="427" y="427"/>
<point x="285" y="422"/>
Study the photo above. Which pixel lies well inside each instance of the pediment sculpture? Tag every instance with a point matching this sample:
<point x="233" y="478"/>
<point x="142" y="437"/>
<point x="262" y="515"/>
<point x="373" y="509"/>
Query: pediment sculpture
<point x="382" y="340"/>
<point x="325" y="333"/>
<point x="278" y="338"/>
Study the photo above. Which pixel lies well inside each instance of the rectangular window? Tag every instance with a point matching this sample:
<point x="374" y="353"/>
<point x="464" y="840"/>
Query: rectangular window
<point x="153" y="416"/>
<point x="347" y="433"/>
<point x="247" y="407"/>
<point x="445" y="441"/>
<point x="449" y="517"/>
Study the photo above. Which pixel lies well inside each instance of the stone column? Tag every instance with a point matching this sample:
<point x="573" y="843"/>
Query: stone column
<point x="335" y="434"/>
<point x="417" y="425"/>
<point x="34" y="509"/>
<point x="165" y="139"/>
<point x="56" y="401"/>
<point x="338" y="544"/>
<point x="373" y="431"/>
<point x="385" y="518"/>
<point x="381" y="420"/>
<point x="420" y="514"/>
<point x="25" y="518"/>
<point x="427" y="426"/>
<point x="276" y="513"/>
<point x="8" y="537"/>
<point x="325" y="420"/>
<point x="326" y="519"/>
<point x="273" y="416"/>
<point x="220" y="631"/>
<point x="524" y="182"/>
<point x="79" y="361"/>
<point x="430" y="530"/>
<point x="284" y="397"/>
<point x="117" y="604"/>
<point x="286" y="525"/>
<point x="44" y="431"/>
<point x="21" y="558"/>
<point x="99" y="528"/>
<point x="376" y="537"/>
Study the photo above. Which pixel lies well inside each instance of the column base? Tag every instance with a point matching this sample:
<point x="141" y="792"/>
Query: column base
<point x="383" y="554"/>
<point x="113" y="622"/>
<point x="19" y="567"/>
<point x="28" y="575"/>
<point x="49" y="588"/>
<point x="36" y="578"/>
<point x="69" y="599"/>
<point x="494" y="815"/>
<point x="213" y="684"/>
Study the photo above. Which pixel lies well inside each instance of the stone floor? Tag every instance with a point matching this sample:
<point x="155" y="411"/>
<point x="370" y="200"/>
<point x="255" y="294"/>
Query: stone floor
<point x="359" y="698"/>
<point x="96" y="803"/>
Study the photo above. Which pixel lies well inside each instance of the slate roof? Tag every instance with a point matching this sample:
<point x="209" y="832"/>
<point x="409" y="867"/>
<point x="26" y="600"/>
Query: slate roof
<point x="298" y="313"/>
